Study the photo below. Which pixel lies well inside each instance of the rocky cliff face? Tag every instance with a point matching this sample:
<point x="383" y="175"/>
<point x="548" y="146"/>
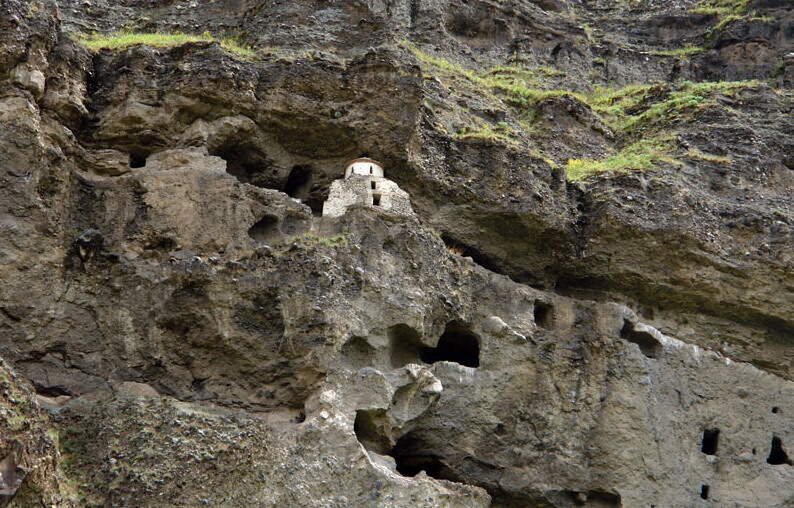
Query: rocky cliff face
<point x="593" y="304"/>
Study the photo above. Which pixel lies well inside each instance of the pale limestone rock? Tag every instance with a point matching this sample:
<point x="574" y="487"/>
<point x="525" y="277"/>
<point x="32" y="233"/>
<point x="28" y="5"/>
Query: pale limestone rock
<point x="132" y="389"/>
<point x="30" y="79"/>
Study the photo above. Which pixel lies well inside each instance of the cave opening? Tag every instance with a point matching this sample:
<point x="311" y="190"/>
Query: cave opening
<point x="457" y="344"/>
<point x="777" y="455"/>
<point x="775" y="410"/>
<point x="544" y="314"/>
<point x="358" y="352"/>
<point x="405" y="345"/>
<point x="648" y="344"/>
<point x="299" y="182"/>
<point x="246" y="163"/>
<point x="368" y="431"/>
<point x="595" y="498"/>
<point x="410" y="454"/>
<point x="710" y="440"/>
<point x="51" y="391"/>
<point x="704" y="491"/>
<point x="265" y="229"/>
<point x="468" y="251"/>
<point x="300" y="185"/>
<point x="138" y="159"/>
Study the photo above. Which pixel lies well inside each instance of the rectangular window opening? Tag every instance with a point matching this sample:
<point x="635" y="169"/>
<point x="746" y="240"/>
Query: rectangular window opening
<point x="373" y="185"/>
<point x="376" y="199"/>
<point x="710" y="440"/>
<point x="704" y="491"/>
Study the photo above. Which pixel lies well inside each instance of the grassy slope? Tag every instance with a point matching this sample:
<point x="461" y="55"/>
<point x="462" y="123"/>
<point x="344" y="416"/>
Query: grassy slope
<point x="644" y="117"/>
<point x="120" y="40"/>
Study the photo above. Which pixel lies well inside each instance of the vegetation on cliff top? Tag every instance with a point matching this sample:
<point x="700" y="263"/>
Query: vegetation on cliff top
<point x="124" y="39"/>
<point x="644" y="117"/>
<point x="721" y="7"/>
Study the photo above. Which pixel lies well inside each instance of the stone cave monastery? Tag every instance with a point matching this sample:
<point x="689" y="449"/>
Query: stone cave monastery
<point x="364" y="184"/>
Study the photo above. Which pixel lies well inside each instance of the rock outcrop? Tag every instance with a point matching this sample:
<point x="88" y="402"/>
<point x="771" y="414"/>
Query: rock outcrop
<point x="591" y="305"/>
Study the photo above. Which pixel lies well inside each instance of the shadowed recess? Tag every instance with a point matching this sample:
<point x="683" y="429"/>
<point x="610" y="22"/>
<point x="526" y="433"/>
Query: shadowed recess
<point x="648" y="344"/>
<point x="710" y="440"/>
<point x="299" y="182"/>
<point x="777" y="455"/>
<point x="404" y="345"/>
<point x="457" y="344"/>
<point x="246" y="163"/>
<point x="412" y="457"/>
<point x="265" y="229"/>
<point x="544" y="315"/>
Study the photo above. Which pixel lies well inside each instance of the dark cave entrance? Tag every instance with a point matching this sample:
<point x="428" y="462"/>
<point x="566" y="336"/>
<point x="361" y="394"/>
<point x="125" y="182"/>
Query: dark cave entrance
<point x="299" y="185"/>
<point x="246" y="163"/>
<point x="710" y="440"/>
<point x="265" y="230"/>
<point x="544" y="315"/>
<point x="405" y="345"/>
<point x="138" y="159"/>
<point x="777" y="455"/>
<point x="457" y="344"/>
<point x="368" y="431"/>
<point x="704" y="492"/>
<point x="649" y="346"/>
<point x="299" y="182"/>
<point x="410" y="454"/>
<point x="471" y="252"/>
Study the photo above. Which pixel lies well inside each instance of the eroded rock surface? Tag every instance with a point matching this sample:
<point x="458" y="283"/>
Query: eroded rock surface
<point x="178" y="326"/>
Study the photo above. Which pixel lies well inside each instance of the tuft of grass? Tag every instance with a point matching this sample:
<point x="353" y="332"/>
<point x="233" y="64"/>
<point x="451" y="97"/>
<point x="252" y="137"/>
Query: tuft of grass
<point x="588" y="32"/>
<point x="721" y="7"/>
<point x="683" y="51"/>
<point x="642" y="154"/>
<point x="726" y="11"/>
<point x="621" y="108"/>
<point x="483" y="130"/>
<point x="521" y="85"/>
<point x="124" y="39"/>
<point x="708" y="157"/>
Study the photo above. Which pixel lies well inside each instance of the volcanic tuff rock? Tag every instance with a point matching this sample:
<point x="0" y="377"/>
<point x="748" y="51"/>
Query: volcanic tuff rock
<point x="592" y="305"/>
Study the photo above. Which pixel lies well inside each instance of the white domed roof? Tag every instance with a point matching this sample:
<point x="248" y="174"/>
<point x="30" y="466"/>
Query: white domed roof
<point x="364" y="166"/>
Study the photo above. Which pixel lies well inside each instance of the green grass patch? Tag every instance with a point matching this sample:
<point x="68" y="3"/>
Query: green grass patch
<point x="721" y="7"/>
<point x="708" y="157"/>
<point x="643" y="117"/>
<point x="483" y="130"/>
<point x="123" y="39"/>
<point x="683" y="51"/>
<point x="643" y="154"/>
<point x="615" y="101"/>
<point x="520" y="85"/>
<point x="634" y="107"/>
<point x="725" y="10"/>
